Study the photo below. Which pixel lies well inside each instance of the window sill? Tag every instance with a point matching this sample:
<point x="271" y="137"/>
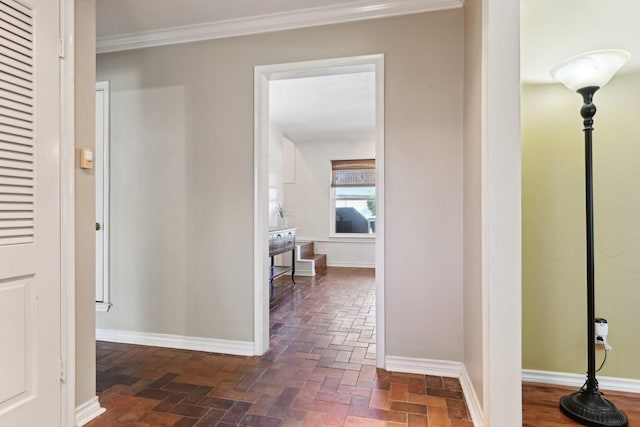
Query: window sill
<point x="352" y="237"/>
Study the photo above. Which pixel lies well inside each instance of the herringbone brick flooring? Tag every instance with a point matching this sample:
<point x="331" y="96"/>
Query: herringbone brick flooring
<point x="320" y="371"/>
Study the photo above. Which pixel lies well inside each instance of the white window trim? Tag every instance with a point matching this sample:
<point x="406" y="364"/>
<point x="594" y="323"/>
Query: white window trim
<point x="351" y="236"/>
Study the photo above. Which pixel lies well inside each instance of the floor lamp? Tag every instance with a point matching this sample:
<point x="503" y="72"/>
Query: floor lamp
<point x="586" y="74"/>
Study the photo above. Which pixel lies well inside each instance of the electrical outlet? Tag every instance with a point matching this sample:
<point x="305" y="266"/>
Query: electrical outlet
<point x="602" y="330"/>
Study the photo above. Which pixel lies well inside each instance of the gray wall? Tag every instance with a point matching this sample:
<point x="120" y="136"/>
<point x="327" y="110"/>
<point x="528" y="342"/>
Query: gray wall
<point x="182" y="179"/>
<point x="472" y="213"/>
<point x="85" y="87"/>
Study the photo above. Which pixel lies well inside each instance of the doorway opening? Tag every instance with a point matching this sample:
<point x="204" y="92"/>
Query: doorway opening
<point x="102" y="171"/>
<point x="268" y="199"/>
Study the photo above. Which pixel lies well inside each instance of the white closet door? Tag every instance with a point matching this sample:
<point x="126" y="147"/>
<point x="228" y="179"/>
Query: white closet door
<point x="30" y="314"/>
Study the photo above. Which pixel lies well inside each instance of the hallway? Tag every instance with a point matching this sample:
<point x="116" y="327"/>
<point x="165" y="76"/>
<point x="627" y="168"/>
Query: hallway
<point x="319" y="371"/>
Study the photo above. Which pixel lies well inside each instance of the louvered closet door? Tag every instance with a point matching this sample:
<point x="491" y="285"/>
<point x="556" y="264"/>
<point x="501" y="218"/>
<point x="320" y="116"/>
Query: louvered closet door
<point x="30" y="387"/>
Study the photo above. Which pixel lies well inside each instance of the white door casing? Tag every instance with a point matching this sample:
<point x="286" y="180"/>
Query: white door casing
<point x="262" y="75"/>
<point x="30" y="220"/>
<point x="101" y="162"/>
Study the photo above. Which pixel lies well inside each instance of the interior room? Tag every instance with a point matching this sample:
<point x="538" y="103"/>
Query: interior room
<point x="315" y="121"/>
<point x="210" y="107"/>
<point x="141" y="78"/>
<point x="479" y="296"/>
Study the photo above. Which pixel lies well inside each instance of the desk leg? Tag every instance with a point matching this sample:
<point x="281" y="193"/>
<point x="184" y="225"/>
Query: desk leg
<point x="271" y="279"/>
<point x="293" y="264"/>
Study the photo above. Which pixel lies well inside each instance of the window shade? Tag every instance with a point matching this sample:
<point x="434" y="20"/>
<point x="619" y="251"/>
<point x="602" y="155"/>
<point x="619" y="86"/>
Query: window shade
<point x="16" y="124"/>
<point x="353" y="173"/>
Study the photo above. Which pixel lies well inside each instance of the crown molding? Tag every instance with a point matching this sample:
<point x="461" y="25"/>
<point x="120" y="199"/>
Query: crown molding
<point x="345" y="12"/>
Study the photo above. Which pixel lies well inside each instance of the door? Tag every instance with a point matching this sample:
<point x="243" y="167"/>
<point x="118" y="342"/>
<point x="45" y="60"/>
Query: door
<point x="102" y="196"/>
<point x="30" y="286"/>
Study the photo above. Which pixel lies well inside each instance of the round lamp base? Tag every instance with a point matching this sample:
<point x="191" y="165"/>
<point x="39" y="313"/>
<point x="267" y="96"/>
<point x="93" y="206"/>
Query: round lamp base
<point x="593" y="410"/>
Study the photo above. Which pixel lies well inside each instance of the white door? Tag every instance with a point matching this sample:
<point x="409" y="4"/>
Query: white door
<point x="102" y="195"/>
<point x="30" y="314"/>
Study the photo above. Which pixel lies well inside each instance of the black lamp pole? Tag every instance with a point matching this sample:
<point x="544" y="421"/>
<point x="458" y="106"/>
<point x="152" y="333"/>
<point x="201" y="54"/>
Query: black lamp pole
<point x="587" y="406"/>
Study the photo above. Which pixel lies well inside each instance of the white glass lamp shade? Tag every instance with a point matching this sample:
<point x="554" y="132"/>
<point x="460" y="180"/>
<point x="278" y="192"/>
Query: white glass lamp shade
<point x="590" y="69"/>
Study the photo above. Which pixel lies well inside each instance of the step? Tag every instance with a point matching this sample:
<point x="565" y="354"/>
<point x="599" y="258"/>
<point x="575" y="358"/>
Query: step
<point x="308" y="263"/>
<point x="320" y="261"/>
<point x="305" y="250"/>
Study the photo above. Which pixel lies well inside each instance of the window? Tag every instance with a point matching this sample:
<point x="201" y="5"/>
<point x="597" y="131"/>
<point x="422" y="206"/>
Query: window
<point x="353" y="197"/>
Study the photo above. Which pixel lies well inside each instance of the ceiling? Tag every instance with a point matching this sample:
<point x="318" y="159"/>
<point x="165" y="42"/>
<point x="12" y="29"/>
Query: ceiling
<point x="551" y="30"/>
<point x="326" y="108"/>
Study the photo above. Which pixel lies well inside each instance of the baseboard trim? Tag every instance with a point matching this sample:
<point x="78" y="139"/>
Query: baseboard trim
<point x="211" y="345"/>
<point x="88" y="411"/>
<point x="470" y="396"/>
<point x="305" y="267"/>
<point x="441" y="368"/>
<point x="305" y="273"/>
<point x="348" y="264"/>
<point x="577" y="380"/>
<point x="411" y="365"/>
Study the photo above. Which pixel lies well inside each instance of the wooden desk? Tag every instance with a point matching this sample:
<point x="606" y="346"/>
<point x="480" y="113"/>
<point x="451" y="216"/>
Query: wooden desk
<point x="282" y="240"/>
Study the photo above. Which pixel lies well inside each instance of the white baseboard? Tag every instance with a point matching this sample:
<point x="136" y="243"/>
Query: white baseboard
<point x="304" y="273"/>
<point x="411" y="365"/>
<point x="441" y="368"/>
<point x="349" y="264"/>
<point x="88" y="411"/>
<point x="211" y="345"/>
<point x="305" y="267"/>
<point x="577" y="380"/>
<point x="470" y="396"/>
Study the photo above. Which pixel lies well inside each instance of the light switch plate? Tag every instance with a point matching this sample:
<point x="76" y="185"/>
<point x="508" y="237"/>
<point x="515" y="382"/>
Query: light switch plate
<point x="86" y="158"/>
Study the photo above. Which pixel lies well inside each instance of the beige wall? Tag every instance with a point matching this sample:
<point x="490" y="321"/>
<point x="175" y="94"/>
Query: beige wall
<point x="472" y="213"/>
<point x="554" y="279"/>
<point x="182" y="190"/>
<point x="85" y="202"/>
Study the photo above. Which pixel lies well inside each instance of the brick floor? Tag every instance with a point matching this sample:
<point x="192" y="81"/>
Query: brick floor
<point x="320" y="371"/>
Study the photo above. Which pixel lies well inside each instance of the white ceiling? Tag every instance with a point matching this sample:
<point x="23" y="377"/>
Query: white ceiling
<point x="551" y="30"/>
<point x="326" y="108"/>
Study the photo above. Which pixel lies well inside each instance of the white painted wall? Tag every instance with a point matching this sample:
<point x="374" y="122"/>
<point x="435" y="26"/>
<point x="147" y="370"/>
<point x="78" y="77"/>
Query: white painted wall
<point x="491" y="212"/>
<point x="502" y="260"/>
<point x="310" y="201"/>
<point x="288" y="161"/>
<point x="276" y="196"/>
<point x="182" y="136"/>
